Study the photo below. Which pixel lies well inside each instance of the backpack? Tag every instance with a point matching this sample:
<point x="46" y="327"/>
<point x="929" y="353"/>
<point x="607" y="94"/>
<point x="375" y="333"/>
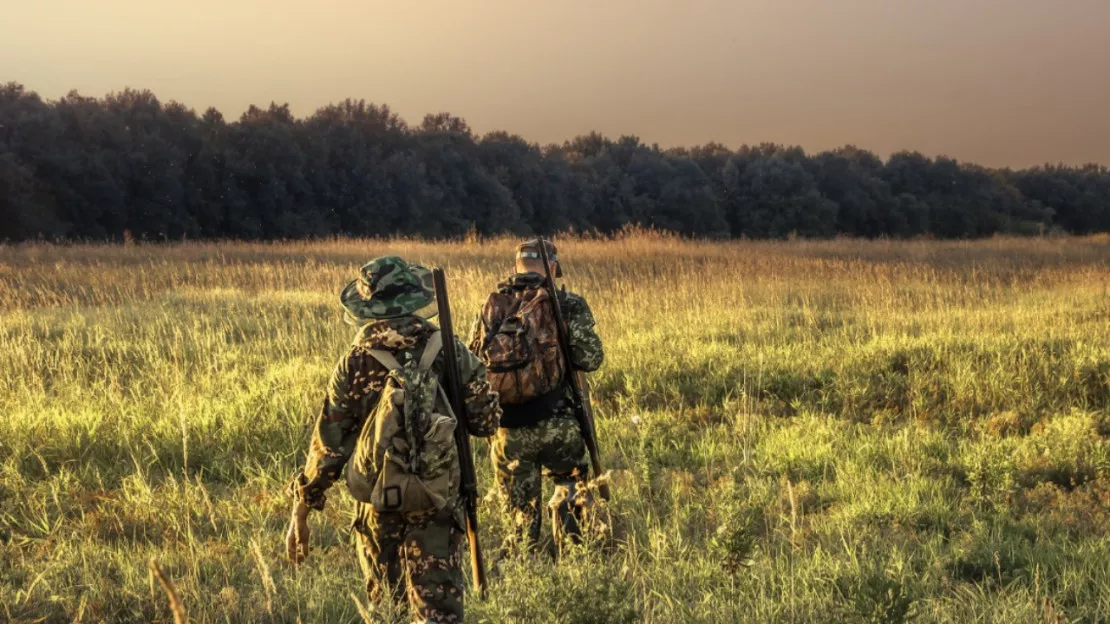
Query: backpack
<point x="405" y="459"/>
<point x="521" y="351"/>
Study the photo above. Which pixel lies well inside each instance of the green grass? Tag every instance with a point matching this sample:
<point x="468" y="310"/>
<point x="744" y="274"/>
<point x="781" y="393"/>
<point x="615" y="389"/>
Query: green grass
<point x="798" y="432"/>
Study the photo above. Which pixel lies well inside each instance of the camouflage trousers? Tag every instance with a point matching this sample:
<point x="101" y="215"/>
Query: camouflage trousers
<point x="416" y="559"/>
<point x="554" y="448"/>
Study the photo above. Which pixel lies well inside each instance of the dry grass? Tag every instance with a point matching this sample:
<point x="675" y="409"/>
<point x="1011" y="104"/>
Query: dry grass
<point x="801" y="431"/>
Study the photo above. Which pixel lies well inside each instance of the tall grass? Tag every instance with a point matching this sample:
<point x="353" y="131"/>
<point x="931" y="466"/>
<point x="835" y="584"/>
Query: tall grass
<point x="799" y="432"/>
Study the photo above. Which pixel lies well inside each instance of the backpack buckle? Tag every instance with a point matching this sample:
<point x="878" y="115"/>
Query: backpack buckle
<point x="391" y="497"/>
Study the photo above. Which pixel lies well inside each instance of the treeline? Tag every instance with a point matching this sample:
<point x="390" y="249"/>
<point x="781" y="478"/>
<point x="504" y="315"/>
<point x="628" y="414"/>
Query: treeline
<point x="129" y="165"/>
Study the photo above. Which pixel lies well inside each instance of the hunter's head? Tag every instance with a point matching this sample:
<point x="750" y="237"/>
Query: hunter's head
<point x="388" y="288"/>
<point x="529" y="260"/>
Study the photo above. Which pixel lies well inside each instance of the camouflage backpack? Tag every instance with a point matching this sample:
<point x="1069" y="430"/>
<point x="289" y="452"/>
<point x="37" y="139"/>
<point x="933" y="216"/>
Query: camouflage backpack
<point x="521" y="349"/>
<point x="405" y="459"/>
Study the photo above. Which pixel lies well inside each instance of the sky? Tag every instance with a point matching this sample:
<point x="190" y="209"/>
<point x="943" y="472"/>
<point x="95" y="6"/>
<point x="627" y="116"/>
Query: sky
<point x="998" y="82"/>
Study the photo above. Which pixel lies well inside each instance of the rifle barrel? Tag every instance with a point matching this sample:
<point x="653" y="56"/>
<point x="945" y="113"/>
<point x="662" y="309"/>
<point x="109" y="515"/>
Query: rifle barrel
<point x="582" y="409"/>
<point x="469" y="480"/>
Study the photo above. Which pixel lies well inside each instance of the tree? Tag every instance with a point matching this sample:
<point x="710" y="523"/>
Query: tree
<point x="87" y="168"/>
<point x="852" y="178"/>
<point x="776" y="197"/>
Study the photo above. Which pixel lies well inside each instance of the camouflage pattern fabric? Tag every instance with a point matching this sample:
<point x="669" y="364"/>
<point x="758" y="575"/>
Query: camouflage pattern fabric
<point x="416" y="553"/>
<point x="416" y="559"/>
<point x="553" y="446"/>
<point x="353" y="391"/>
<point x="586" y="351"/>
<point x="387" y="287"/>
<point x="522" y="352"/>
<point x="585" y="345"/>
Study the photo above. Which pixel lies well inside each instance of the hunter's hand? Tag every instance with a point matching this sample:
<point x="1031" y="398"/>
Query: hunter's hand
<point x="296" y="538"/>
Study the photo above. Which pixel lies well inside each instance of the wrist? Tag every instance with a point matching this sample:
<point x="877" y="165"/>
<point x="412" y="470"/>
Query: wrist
<point x="304" y="493"/>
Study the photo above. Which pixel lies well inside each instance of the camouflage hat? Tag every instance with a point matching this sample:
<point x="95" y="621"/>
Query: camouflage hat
<point x="388" y="287"/>
<point x="531" y="249"/>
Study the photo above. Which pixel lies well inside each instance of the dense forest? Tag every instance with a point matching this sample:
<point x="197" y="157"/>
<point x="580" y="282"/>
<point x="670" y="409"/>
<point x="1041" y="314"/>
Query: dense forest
<point x="127" y="165"/>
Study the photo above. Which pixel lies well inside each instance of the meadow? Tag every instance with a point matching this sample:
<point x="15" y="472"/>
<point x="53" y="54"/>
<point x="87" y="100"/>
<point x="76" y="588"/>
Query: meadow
<point x="834" y="431"/>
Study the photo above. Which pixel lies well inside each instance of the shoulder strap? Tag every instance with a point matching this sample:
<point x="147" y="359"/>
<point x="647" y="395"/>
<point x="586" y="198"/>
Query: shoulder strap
<point x="446" y="403"/>
<point x="386" y="359"/>
<point x="431" y="351"/>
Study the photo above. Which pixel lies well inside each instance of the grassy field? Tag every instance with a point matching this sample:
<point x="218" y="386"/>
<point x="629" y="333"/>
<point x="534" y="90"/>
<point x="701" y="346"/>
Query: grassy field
<point x="798" y="432"/>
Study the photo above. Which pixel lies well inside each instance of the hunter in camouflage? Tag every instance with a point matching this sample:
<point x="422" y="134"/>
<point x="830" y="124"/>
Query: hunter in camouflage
<point x="542" y="437"/>
<point x="415" y="555"/>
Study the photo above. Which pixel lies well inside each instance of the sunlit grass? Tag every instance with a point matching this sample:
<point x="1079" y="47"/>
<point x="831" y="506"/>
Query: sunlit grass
<point x="800" y="431"/>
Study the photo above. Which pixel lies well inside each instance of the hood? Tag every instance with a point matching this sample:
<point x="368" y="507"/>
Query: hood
<point x="394" y="334"/>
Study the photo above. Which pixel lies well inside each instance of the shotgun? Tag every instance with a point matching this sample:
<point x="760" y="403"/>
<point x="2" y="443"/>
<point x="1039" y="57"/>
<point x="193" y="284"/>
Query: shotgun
<point x="583" y="411"/>
<point x="468" y="485"/>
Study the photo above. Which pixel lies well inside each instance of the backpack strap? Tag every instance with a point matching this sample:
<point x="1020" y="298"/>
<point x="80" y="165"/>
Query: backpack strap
<point x="427" y="359"/>
<point x="386" y="359"/>
<point x="431" y="350"/>
<point x="446" y="403"/>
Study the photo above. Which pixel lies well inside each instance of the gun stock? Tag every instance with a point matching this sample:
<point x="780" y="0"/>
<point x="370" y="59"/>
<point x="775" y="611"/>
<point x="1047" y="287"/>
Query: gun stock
<point x="469" y="480"/>
<point x="583" y="411"/>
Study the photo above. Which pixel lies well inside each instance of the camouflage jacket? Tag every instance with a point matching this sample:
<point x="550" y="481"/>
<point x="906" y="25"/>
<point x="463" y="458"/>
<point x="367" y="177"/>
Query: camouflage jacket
<point x="353" y="392"/>
<point x="585" y="345"/>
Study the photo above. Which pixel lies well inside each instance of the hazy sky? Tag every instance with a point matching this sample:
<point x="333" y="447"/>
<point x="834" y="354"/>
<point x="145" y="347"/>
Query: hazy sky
<point x="1001" y="82"/>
